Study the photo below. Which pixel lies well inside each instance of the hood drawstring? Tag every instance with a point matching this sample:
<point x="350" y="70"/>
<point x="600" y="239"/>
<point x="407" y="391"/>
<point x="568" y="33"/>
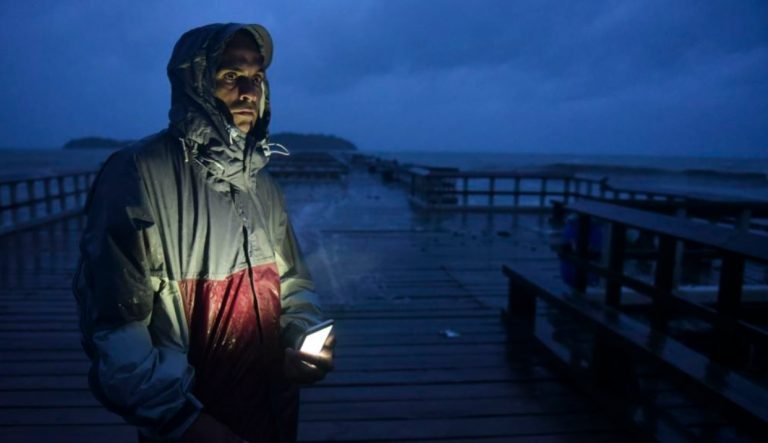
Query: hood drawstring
<point x="184" y="148"/>
<point x="267" y="147"/>
<point x="187" y="149"/>
<point x="232" y="132"/>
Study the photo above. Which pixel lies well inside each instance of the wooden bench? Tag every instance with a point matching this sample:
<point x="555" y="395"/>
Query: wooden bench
<point x="618" y="333"/>
<point x="622" y="345"/>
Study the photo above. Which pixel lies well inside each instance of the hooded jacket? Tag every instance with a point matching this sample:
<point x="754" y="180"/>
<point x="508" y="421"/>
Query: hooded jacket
<point x="191" y="281"/>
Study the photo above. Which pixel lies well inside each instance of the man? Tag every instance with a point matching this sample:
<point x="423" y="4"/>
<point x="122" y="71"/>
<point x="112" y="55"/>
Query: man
<point x="191" y="287"/>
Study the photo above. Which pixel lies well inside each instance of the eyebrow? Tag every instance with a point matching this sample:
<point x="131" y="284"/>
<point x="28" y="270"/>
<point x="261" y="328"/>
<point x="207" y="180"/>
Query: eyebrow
<point x="234" y="60"/>
<point x="240" y="66"/>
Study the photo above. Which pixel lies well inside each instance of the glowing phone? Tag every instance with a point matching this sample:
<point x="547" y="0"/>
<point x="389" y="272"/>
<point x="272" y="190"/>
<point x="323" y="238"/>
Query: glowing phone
<point x="314" y="338"/>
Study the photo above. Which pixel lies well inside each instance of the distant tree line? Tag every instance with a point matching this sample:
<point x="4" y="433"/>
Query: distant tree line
<point x="291" y="140"/>
<point x="96" y="143"/>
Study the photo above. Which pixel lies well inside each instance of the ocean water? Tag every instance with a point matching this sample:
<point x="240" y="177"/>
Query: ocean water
<point x="503" y="160"/>
<point x="714" y="175"/>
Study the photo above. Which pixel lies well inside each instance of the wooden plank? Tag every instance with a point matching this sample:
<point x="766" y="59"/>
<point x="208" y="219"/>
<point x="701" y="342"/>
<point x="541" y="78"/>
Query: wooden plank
<point x="69" y="434"/>
<point x="447" y="347"/>
<point x="591" y="437"/>
<point x="70" y="341"/>
<point x="457" y="391"/>
<point x="313" y="412"/>
<point x="369" y="430"/>
<point x="80" y="367"/>
<point x="70" y="416"/>
<point x="490" y="319"/>
<point x="340" y="378"/>
<point x="27" y="355"/>
<point x="46" y="398"/>
<point x="421" y="376"/>
<point x="327" y="394"/>
<point x="344" y="362"/>
<point x="449" y="409"/>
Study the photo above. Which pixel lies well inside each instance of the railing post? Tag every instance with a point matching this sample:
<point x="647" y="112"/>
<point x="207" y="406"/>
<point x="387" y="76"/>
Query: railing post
<point x="567" y="190"/>
<point x="82" y="190"/>
<point x="679" y="252"/>
<point x="582" y="253"/>
<point x="3" y="208"/>
<point x="543" y="193"/>
<point x="521" y="304"/>
<point x="14" y="194"/>
<point x="62" y="193"/>
<point x="664" y="280"/>
<point x="31" y="197"/>
<point x="76" y="186"/>
<point x="616" y="247"/>
<point x="491" y="190"/>
<point x="728" y="347"/>
<point x="517" y="192"/>
<point x="465" y="191"/>
<point x="48" y="196"/>
<point x="613" y="368"/>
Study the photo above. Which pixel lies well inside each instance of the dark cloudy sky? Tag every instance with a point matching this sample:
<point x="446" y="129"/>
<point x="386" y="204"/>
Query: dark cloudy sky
<point x="612" y="76"/>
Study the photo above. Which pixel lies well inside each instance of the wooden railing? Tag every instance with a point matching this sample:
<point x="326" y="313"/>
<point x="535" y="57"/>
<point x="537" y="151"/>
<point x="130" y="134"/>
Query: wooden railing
<point x="496" y="191"/>
<point x="33" y="200"/>
<point x="733" y="249"/>
<point x="452" y="190"/>
<point x="712" y="354"/>
<point x="746" y="214"/>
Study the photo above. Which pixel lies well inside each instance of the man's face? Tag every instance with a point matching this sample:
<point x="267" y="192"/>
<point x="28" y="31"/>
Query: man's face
<point x="239" y="80"/>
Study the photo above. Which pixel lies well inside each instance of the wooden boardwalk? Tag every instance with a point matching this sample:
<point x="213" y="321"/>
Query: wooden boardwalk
<point x="422" y="354"/>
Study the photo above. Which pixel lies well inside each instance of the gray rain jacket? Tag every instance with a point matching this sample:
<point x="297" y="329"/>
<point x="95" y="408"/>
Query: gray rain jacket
<point x="191" y="281"/>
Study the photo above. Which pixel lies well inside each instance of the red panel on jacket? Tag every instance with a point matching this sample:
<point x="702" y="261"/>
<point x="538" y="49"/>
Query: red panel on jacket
<point x="235" y="345"/>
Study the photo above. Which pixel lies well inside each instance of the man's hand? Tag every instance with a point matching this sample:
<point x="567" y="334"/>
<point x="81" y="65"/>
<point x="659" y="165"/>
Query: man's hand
<point x="304" y="369"/>
<point x="206" y="429"/>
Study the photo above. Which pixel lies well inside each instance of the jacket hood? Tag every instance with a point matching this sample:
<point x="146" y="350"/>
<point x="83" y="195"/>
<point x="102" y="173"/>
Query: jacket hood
<point x="200" y="120"/>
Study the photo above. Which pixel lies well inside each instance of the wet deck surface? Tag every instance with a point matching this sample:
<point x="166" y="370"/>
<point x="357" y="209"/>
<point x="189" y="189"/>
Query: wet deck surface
<point x="398" y="284"/>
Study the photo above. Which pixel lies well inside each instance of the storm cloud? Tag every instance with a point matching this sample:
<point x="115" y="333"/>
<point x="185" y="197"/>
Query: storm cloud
<point x="651" y="77"/>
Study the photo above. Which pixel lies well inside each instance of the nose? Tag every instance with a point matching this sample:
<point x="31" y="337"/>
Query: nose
<point x="249" y="90"/>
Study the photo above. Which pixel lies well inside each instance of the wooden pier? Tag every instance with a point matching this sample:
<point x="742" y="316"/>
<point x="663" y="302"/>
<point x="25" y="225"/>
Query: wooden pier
<point x="424" y="352"/>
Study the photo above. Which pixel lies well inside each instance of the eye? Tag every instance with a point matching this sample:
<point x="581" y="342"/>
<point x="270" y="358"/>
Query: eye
<point x="229" y="77"/>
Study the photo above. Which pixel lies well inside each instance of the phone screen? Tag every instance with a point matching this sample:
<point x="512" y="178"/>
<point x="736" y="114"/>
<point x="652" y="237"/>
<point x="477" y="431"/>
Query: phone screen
<point x="313" y="342"/>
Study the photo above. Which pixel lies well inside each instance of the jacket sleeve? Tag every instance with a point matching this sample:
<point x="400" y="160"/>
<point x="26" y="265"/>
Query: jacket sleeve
<point x="119" y="275"/>
<point x="299" y="303"/>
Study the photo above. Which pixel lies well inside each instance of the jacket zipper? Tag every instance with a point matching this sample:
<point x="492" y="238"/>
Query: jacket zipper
<point x="249" y="263"/>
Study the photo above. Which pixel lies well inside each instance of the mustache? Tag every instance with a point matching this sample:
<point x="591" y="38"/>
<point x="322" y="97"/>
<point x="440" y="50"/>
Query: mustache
<point x="244" y="106"/>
